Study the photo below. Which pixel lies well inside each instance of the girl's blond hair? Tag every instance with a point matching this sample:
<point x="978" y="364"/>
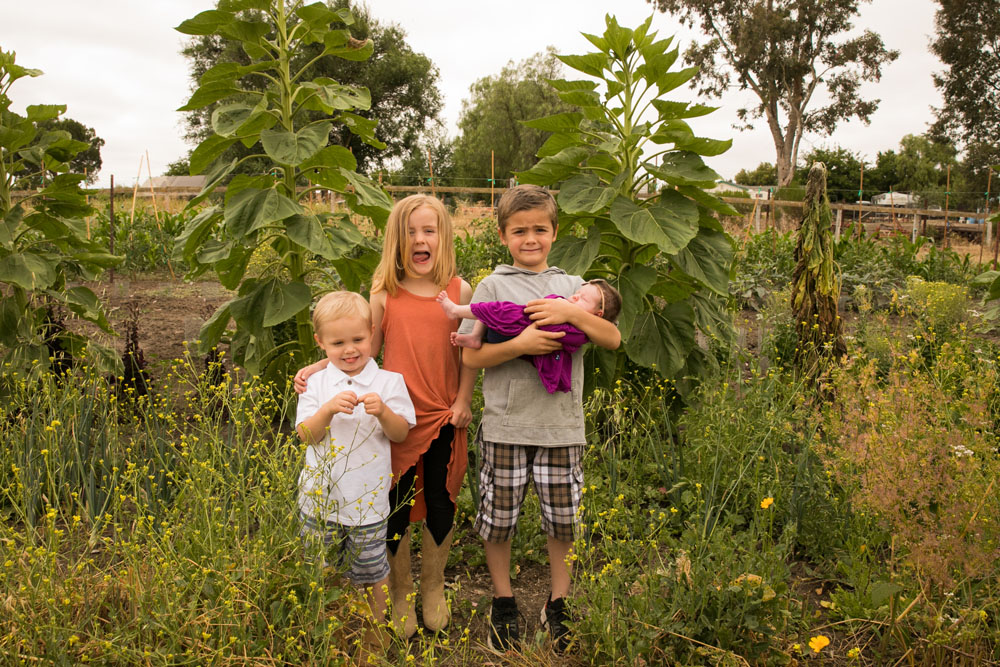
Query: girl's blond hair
<point x="391" y="268"/>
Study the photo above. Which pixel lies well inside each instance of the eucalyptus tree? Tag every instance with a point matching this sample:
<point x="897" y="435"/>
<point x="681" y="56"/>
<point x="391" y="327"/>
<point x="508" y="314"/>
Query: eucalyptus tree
<point x="784" y="51"/>
<point x="633" y="208"/>
<point x="967" y="40"/>
<point x="264" y="211"/>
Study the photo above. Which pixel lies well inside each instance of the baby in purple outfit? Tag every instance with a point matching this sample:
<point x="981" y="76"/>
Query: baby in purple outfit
<point x="497" y="321"/>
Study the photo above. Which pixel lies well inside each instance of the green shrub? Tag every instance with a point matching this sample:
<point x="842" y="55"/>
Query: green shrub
<point x="764" y="262"/>
<point x="939" y="306"/>
<point x="478" y="250"/>
<point x="146" y="241"/>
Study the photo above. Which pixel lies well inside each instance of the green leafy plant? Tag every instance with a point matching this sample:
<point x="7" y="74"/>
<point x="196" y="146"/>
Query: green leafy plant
<point x="764" y="263"/>
<point x="267" y="209"/>
<point x="43" y="239"/>
<point x="665" y="252"/>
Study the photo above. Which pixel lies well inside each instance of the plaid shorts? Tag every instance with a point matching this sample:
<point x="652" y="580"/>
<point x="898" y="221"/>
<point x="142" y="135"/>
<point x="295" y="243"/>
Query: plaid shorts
<point x="360" y="548"/>
<point x="557" y="473"/>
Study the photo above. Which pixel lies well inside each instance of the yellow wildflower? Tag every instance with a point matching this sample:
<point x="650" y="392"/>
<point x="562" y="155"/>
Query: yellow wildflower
<point x="818" y="643"/>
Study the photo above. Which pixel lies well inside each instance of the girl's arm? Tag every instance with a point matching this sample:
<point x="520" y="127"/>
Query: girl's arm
<point x="461" y="409"/>
<point x="377" y="301"/>
<point x="300" y="378"/>
<point x="559" y="311"/>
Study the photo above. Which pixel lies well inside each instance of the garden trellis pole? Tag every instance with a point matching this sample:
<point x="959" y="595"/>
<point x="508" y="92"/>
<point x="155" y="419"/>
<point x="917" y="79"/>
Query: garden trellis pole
<point x="996" y="232"/>
<point x="861" y="189"/>
<point x="493" y="183"/>
<point x="947" y="195"/>
<point x="156" y="214"/>
<point x="152" y="191"/>
<point x="430" y="166"/>
<point x="988" y="232"/>
<point x="111" y="225"/>
<point x="86" y="219"/>
<point x="135" y="193"/>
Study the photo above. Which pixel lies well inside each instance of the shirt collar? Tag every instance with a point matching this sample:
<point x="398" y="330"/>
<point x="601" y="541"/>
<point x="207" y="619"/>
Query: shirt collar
<point x="365" y="377"/>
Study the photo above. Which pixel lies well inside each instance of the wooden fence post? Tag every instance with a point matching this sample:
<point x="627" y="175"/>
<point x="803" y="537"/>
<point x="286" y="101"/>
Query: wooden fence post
<point x="916" y="223"/>
<point x="840" y="221"/>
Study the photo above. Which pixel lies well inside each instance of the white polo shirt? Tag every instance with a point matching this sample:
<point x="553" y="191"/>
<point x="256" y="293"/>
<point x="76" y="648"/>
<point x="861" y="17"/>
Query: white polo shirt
<point x="347" y="474"/>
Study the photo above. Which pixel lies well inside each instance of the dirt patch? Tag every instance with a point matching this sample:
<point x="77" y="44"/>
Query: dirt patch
<point x="170" y="312"/>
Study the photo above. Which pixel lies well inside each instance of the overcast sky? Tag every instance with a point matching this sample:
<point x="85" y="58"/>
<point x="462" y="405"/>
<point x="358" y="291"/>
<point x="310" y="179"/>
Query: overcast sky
<point x="116" y="64"/>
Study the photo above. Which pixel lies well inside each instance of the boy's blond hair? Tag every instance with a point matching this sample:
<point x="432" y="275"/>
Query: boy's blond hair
<point x="391" y="268"/>
<point x="525" y="198"/>
<point x="338" y="305"/>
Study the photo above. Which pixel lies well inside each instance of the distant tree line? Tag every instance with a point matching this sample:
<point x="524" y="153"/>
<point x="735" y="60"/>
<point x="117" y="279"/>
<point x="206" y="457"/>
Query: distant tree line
<point x="919" y="166"/>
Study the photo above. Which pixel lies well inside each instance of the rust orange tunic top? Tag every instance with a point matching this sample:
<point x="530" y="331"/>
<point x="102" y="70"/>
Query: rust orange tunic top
<point x="416" y="337"/>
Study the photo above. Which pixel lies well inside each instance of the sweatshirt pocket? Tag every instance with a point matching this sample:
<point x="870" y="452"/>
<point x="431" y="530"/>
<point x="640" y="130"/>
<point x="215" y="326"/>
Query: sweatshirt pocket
<point x="529" y="405"/>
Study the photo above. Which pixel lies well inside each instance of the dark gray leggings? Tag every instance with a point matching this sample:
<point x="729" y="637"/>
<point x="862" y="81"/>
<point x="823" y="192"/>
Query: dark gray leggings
<point x="440" y="508"/>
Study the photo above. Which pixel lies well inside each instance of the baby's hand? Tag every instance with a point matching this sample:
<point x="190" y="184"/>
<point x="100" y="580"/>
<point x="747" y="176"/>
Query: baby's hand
<point x="373" y="404"/>
<point x="344" y="402"/>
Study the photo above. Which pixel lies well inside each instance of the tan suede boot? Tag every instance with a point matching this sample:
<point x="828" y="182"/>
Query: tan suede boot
<point x="401" y="595"/>
<point x="433" y="560"/>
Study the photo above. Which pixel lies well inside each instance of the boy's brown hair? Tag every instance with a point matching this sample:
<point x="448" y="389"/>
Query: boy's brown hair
<point x="525" y="198"/>
<point x="611" y="299"/>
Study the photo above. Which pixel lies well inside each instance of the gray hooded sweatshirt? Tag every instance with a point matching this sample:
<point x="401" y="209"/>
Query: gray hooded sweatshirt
<point x="518" y="410"/>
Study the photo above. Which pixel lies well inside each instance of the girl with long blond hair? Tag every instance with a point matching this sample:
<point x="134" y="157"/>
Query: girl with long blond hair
<point x="418" y="262"/>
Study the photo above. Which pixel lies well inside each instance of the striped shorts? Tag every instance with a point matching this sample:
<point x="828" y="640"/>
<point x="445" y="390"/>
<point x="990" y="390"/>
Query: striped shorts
<point x="359" y="549"/>
<point x="557" y="473"/>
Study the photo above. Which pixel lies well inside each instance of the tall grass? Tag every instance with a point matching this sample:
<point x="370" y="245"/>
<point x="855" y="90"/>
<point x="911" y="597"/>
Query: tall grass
<point x="155" y="531"/>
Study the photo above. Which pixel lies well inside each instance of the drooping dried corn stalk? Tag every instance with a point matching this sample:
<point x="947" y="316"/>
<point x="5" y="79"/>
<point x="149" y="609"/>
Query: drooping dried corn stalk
<point x="815" y="283"/>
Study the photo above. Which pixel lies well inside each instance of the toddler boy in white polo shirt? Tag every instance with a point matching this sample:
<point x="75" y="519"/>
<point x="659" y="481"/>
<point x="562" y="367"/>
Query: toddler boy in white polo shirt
<point x="348" y="414"/>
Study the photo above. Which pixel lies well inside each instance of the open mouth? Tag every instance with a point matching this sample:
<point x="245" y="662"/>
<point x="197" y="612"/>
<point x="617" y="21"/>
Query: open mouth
<point x="351" y="360"/>
<point x="421" y="257"/>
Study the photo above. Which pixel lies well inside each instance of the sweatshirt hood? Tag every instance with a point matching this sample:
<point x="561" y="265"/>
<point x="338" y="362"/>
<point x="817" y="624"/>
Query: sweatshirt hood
<point x="507" y="270"/>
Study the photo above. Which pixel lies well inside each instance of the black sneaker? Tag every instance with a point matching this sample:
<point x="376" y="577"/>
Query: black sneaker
<point x="504" y="634"/>
<point x="554" y="618"/>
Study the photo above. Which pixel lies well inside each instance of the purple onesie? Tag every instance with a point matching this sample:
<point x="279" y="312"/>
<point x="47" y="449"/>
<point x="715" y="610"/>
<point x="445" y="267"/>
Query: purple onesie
<point x="508" y="319"/>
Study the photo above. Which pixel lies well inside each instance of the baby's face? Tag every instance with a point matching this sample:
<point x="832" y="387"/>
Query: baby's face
<point x="588" y="297"/>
